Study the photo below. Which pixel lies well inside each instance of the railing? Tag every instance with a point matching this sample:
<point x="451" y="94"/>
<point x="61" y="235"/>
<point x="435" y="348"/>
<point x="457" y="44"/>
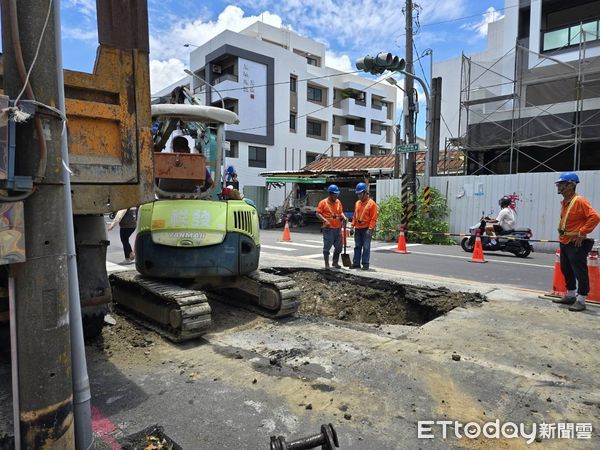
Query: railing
<point x="377" y="106"/>
<point x="225" y="77"/>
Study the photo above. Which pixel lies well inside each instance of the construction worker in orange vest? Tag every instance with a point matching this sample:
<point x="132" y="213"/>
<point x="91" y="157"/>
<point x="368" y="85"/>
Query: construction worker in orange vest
<point x="363" y="221"/>
<point x="577" y="220"/>
<point x="331" y="212"/>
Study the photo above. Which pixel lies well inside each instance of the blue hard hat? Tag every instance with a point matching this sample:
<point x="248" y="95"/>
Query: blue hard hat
<point x="361" y="187"/>
<point x="333" y="189"/>
<point x="568" y="177"/>
<point x="230" y="170"/>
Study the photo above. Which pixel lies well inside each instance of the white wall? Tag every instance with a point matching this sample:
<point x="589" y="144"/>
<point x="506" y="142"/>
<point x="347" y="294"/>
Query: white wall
<point x="252" y="112"/>
<point x="537" y="207"/>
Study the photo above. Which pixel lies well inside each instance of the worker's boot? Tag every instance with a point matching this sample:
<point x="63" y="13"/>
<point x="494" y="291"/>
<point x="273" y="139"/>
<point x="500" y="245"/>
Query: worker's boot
<point x="326" y="259"/>
<point x="335" y="263"/>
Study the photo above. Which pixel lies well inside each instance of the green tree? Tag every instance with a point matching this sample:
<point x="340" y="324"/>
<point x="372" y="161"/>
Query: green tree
<point x="424" y="223"/>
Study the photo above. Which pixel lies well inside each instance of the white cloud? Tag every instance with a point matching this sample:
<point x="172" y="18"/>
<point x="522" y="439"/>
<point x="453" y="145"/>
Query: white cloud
<point x="169" y="43"/>
<point x="166" y="46"/>
<point x="86" y="7"/>
<point x="89" y="36"/>
<point x="357" y="24"/>
<point x="165" y="72"/>
<point x="489" y="16"/>
<point x="339" y="62"/>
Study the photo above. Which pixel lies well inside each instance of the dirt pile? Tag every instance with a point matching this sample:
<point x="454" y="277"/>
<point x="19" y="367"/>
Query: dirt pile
<point x="121" y="338"/>
<point x="342" y="296"/>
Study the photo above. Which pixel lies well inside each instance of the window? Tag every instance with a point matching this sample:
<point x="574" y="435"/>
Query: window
<point x="311" y="157"/>
<point x="312" y="61"/>
<point x="234" y="150"/>
<point x="257" y="156"/>
<point x="293" y="122"/>
<point x="314" y="94"/>
<point x="570" y="35"/>
<point x="313" y="128"/>
<point x="293" y="83"/>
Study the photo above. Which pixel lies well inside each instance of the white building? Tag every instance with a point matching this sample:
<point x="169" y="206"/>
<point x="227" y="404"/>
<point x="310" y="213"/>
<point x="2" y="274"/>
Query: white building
<point x="531" y="101"/>
<point x="292" y="107"/>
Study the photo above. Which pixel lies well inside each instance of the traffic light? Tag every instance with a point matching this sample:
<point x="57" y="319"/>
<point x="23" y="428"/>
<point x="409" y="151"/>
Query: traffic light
<point x="380" y="63"/>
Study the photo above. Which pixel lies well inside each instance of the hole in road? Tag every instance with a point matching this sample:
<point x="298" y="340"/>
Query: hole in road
<point x="342" y="296"/>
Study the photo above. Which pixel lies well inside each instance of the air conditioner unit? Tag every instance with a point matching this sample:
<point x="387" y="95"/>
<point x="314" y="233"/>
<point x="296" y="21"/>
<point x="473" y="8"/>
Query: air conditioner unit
<point x="346" y="153"/>
<point x="216" y="69"/>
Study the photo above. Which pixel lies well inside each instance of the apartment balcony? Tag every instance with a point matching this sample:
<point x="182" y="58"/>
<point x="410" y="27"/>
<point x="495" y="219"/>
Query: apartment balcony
<point x="353" y="134"/>
<point x="354" y="108"/>
<point x="378" y="112"/>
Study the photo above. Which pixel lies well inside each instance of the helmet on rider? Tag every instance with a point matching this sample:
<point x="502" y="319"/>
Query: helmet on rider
<point x="333" y="189"/>
<point x="361" y="187"/>
<point x="504" y="202"/>
<point x="568" y="177"/>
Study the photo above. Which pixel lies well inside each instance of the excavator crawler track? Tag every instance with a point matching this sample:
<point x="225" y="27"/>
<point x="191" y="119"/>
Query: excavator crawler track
<point x="172" y="310"/>
<point x="180" y="312"/>
<point x="273" y="296"/>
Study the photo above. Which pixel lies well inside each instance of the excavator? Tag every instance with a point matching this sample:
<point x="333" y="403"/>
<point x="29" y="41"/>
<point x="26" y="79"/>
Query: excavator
<point x="187" y="246"/>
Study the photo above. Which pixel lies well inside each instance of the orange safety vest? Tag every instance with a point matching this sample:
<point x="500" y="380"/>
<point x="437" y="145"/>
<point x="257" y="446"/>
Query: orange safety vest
<point x="333" y="215"/>
<point x="365" y="217"/>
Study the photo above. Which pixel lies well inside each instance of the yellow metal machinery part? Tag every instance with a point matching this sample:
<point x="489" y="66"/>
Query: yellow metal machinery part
<point x="109" y="117"/>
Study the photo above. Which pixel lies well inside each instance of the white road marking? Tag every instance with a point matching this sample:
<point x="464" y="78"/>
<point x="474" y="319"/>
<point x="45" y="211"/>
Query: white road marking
<point x="112" y="267"/>
<point x="274" y="247"/>
<point x="298" y="244"/>
<point x="388" y="247"/>
<point x="491" y="260"/>
<point x="318" y="255"/>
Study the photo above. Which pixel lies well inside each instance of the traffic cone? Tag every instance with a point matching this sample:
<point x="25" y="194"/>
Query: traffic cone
<point x="594" y="273"/>
<point x="402" y="242"/>
<point x="478" y="251"/>
<point x="286" y="232"/>
<point x="559" y="285"/>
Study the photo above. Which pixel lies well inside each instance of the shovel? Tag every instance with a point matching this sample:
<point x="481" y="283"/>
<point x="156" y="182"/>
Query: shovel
<point x="345" y="256"/>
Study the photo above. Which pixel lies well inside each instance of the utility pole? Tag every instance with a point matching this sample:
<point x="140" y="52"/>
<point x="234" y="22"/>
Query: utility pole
<point x="41" y="287"/>
<point x="409" y="110"/>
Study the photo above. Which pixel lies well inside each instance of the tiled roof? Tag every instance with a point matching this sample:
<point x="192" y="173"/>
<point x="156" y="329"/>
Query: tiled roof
<point x="351" y="163"/>
<point x="454" y="163"/>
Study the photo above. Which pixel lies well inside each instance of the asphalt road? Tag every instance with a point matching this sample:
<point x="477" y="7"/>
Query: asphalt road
<point x="534" y="272"/>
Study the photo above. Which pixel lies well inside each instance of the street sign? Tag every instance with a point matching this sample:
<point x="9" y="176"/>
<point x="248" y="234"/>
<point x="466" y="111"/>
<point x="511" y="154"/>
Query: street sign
<point x="407" y="148"/>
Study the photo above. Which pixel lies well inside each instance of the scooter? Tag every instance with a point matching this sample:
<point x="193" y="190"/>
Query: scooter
<point x="516" y="242"/>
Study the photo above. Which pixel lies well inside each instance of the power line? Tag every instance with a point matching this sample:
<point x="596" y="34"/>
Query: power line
<point x="303" y="115"/>
<point x="427" y="82"/>
<point x="282" y="82"/>
<point x="458" y="19"/>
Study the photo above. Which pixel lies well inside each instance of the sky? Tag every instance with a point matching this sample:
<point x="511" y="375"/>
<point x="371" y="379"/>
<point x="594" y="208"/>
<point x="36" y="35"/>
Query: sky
<point x="348" y="28"/>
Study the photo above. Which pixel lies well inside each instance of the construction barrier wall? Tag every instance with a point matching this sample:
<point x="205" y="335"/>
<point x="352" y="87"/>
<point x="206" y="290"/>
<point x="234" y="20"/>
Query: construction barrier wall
<point x="536" y="202"/>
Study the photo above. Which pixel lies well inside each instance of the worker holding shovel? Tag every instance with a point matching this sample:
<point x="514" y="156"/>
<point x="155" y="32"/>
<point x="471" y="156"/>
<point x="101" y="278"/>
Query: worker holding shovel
<point x="331" y="213"/>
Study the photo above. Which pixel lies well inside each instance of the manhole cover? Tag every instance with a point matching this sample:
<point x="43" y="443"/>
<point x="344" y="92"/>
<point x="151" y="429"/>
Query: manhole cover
<point x="343" y="296"/>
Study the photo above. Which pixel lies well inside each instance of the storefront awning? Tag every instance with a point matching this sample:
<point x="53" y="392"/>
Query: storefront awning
<point x="317" y="180"/>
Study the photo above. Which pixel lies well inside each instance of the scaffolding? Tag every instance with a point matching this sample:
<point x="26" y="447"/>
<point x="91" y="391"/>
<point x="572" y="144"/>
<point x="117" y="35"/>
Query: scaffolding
<point x="530" y="112"/>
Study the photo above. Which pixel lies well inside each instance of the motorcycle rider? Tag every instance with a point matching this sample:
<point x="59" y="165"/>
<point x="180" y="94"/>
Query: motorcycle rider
<point x="504" y="223"/>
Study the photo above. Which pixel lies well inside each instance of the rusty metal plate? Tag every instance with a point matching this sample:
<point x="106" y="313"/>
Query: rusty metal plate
<point x="180" y="166"/>
<point x="12" y="233"/>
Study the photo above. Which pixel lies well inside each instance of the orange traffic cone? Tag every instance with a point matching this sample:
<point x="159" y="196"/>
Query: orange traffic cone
<point x="286" y="232"/>
<point x="559" y="285"/>
<point x="478" y="251"/>
<point x="401" y="242"/>
<point x="594" y="272"/>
